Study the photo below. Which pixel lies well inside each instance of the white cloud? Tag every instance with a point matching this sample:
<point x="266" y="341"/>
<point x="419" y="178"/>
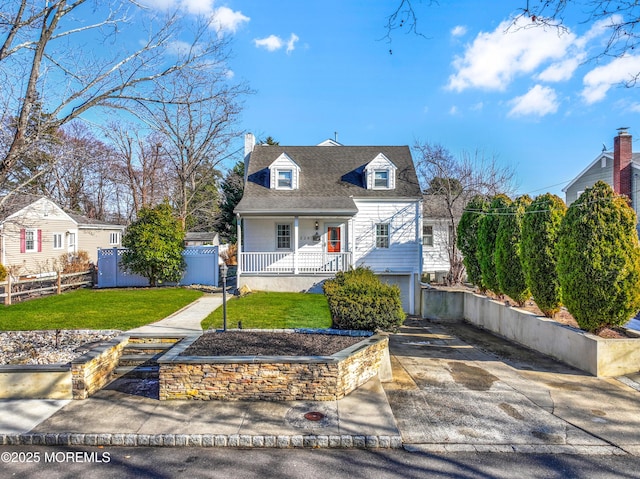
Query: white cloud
<point x="223" y="19"/>
<point x="274" y="42"/>
<point x="494" y="59"/>
<point x="599" y="80"/>
<point x="458" y="31"/>
<point x="226" y="20"/>
<point x="538" y="101"/>
<point x="635" y="107"/>
<point x="271" y="43"/>
<point x="453" y="110"/>
<point x="562" y="70"/>
<point x="291" y="44"/>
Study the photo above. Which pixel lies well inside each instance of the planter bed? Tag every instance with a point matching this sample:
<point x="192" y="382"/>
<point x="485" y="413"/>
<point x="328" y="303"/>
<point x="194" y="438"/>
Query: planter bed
<point x="77" y="379"/>
<point x="272" y="378"/>
<point x="578" y="348"/>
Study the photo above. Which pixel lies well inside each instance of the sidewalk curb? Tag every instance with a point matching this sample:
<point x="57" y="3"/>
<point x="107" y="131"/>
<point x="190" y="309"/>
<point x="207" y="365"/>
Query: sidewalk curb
<point x="345" y="441"/>
<point x="518" y="448"/>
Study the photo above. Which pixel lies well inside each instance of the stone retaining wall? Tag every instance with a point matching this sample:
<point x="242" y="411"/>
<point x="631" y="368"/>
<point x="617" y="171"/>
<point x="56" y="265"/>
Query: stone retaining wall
<point x="91" y="371"/>
<point x="276" y="378"/>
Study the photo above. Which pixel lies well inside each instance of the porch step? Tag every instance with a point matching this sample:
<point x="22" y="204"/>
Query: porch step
<point x="139" y="359"/>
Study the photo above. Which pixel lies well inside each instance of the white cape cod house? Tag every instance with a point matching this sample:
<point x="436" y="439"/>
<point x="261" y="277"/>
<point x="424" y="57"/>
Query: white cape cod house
<point x="310" y="211"/>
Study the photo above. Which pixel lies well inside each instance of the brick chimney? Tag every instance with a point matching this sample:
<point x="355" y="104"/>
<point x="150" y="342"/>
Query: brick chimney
<point x="622" y="163"/>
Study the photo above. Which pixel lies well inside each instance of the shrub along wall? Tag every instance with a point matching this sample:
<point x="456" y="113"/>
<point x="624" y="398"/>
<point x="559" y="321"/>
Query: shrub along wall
<point x="358" y="300"/>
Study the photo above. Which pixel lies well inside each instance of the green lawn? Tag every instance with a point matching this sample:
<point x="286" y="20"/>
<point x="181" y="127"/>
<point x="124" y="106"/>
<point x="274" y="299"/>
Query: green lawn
<point x="96" y="309"/>
<point x="264" y="310"/>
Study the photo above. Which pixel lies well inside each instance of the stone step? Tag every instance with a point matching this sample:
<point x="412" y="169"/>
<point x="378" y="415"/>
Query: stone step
<point x="140" y="372"/>
<point x="144" y="348"/>
<point x="138" y="359"/>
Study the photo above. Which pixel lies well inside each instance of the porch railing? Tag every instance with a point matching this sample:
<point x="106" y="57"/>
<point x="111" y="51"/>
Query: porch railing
<point x="292" y="263"/>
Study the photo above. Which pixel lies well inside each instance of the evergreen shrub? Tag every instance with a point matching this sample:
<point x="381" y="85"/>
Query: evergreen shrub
<point x="487" y="233"/>
<point x="359" y="300"/>
<point x="599" y="259"/>
<point x="540" y="229"/>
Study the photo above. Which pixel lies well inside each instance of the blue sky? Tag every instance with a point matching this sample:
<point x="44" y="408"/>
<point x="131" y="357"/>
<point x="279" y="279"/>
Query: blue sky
<point x="525" y="97"/>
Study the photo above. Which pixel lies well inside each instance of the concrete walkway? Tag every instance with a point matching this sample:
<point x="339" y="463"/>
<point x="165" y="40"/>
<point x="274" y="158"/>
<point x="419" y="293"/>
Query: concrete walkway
<point x="185" y="321"/>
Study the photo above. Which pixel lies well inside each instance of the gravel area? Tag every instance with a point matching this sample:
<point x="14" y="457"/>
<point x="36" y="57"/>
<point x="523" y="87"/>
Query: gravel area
<point x="48" y="347"/>
<point x="249" y="343"/>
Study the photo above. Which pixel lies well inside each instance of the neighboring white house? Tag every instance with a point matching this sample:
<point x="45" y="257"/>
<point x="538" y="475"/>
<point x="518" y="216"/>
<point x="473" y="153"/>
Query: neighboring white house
<point x="619" y="168"/>
<point x="35" y="232"/>
<point x="437" y="235"/>
<point x="310" y="211"/>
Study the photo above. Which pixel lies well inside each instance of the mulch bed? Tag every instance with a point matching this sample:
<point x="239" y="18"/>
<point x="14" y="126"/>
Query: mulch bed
<point x="250" y="343"/>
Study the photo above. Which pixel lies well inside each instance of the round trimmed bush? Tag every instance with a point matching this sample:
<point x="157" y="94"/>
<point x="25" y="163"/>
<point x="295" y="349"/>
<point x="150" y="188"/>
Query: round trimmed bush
<point x="599" y="259"/>
<point x="540" y="229"/>
<point x="359" y="300"/>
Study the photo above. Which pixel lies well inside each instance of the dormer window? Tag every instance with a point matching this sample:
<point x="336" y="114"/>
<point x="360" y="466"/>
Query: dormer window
<point x="381" y="179"/>
<point x="285" y="178"/>
<point x="380" y="174"/>
<point x="284" y="173"/>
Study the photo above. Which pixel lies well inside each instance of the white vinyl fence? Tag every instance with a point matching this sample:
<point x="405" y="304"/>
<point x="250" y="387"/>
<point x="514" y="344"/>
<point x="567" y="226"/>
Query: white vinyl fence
<point x="202" y="268"/>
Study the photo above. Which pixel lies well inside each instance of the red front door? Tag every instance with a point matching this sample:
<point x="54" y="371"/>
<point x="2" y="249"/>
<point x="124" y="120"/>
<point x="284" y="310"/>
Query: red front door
<point x="333" y="239"/>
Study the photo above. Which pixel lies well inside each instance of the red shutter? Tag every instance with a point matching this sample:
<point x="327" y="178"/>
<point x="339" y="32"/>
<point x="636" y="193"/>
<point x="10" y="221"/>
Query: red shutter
<point x="39" y="241"/>
<point x="23" y="240"/>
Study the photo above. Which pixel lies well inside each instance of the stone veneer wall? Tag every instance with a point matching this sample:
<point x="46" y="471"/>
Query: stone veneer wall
<point x="90" y="372"/>
<point x="312" y="378"/>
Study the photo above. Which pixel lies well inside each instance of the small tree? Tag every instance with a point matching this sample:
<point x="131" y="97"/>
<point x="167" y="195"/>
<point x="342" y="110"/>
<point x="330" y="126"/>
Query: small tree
<point x="540" y="229"/>
<point x="599" y="259"/>
<point x="509" y="272"/>
<point x="232" y="191"/>
<point x="487" y="233"/>
<point x="468" y="238"/>
<point x="154" y="245"/>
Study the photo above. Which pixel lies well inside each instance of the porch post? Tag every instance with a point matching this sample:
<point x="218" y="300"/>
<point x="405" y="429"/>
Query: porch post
<point x="351" y="243"/>
<point x="238" y="248"/>
<point x="295" y="244"/>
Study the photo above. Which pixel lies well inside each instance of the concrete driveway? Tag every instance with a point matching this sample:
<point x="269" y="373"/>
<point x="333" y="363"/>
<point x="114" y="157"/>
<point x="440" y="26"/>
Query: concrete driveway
<point x="458" y="388"/>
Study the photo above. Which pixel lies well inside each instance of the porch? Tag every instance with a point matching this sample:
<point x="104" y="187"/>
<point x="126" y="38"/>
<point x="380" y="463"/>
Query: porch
<point x="293" y="262"/>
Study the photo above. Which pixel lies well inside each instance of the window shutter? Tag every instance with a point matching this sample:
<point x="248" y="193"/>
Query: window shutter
<point x="39" y="241"/>
<point x="23" y="240"/>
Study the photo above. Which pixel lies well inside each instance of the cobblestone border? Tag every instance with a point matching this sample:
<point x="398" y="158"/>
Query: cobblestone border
<point x="205" y="440"/>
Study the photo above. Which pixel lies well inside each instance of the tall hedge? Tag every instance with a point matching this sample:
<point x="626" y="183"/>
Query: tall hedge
<point x="599" y="259"/>
<point x="509" y="272"/>
<point x="468" y="238"/>
<point x="487" y="233"/>
<point x="359" y="300"/>
<point x="540" y="229"/>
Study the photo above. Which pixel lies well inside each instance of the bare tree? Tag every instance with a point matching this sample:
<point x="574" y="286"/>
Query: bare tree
<point x="39" y="63"/>
<point x="141" y="166"/>
<point x="196" y="117"/>
<point x="452" y="182"/>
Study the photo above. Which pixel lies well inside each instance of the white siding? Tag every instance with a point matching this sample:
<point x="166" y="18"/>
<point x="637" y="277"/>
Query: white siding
<point x="436" y="257"/>
<point x="404" y="249"/>
<point x="260" y="234"/>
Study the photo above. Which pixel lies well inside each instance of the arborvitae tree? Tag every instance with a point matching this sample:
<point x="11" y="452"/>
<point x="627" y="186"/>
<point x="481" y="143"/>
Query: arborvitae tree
<point x="232" y="191"/>
<point x="154" y="245"/>
<point x="599" y="259"/>
<point x="487" y="233"/>
<point x="507" y="255"/>
<point x="468" y="238"/>
<point x="540" y="229"/>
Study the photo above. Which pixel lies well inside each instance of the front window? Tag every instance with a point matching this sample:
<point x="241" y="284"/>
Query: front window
<point x="57" y="241"/>
<point x="382" y="235"/>
<point x="427" y="235"/>
<point x="30" y="241"/>
<point x="381" y="179"/>
<point x="72" y="240"/>
<point x="285" y="179"/>
<point x="283" y="236"/>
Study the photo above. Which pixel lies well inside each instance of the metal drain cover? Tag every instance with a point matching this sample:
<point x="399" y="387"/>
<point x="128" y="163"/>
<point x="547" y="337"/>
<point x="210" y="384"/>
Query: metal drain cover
<point x="314" y="416"/>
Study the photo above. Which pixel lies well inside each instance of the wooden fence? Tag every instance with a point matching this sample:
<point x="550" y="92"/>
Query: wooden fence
<point x="35" y="287"/>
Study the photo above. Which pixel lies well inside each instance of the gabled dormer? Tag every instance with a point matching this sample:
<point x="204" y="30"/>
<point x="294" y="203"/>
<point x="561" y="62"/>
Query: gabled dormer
<point x="284" y="174"/>
<point x="380" y="174"/>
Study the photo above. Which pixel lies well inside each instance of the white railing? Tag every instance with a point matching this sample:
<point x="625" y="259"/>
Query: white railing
<point x="291" y="263"/>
